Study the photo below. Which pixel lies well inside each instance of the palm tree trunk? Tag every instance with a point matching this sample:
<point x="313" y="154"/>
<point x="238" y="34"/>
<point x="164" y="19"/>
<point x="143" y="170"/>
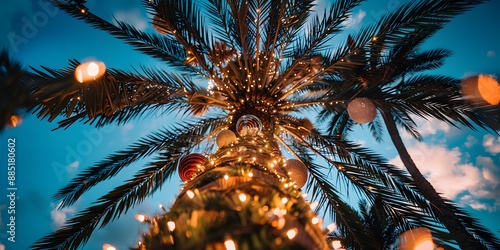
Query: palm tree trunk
<point x="238" y="203"/>
<point x="441" y="209"/>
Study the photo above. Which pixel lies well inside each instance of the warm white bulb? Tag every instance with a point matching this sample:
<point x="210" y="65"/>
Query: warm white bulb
<point x="108" y="247"/>
<point x="243" y="197"/>
<point x="171" y="225"/>
<point x="292" y="233"/>
<point x="284" y="200"/>
<point x="229" y="244"/>
<point x="93" y="69"/>
<point x="314" y="205"/>
<point x="315" y="220"/>
<point x="140" y="217"/>
<point x="332" y="227"/>
<point x="336" y="244"/>
<point x="226" y="177"/>
<point x="190" y="194"/>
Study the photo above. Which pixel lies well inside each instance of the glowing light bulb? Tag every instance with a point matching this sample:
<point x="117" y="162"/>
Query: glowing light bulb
<point x="226" y="177"/>
<point x="242" y="197"/>
<point x="315" y="220"/>
<point x="292" y="233"/>
<point x="190" y="194"/>
<point x="332" y="227"/>
<point x="314" y="205"/>
<point x="93" y="69"/>
<point x="336" y="244"/>
<point x="171" y="226"/>
<point x="284" y="200"/>
<point x="140" y="217"/>
<point x="89" y="71"/>
<point x="108" y="247"/>
<point x="229" y="244"/>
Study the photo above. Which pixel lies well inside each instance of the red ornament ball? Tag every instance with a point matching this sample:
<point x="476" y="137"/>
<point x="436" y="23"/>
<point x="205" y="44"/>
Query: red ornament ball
<point x="190" y="165"/>
<point x="248" y="125"/>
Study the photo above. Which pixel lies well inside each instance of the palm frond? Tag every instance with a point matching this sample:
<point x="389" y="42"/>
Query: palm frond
<point x="117" y="96"/>
<point x="163" y="48"/>
<point x="112" y="205"/>
<point x="189" y="133"/>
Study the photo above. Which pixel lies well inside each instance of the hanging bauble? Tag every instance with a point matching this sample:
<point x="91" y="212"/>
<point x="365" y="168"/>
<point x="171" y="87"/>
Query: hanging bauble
<point x="297" y="171"/>
<point x="481" y="88"/>
<point x="248" y="125"/>
<point x="362" y="110"/>
<point x="160" y="26"/>
<point x="225" y="137"/>
<point x="190" y="165"/>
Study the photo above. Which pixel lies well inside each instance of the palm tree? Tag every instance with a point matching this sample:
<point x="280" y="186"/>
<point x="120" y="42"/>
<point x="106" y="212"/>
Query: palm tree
<point x="389" y="78"/>
<point x="261" y="56"/>
<point x="380" y="224"/>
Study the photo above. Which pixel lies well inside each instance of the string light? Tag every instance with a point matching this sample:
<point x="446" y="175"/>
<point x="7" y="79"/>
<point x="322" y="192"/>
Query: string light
<point x="336" y="244"/>
<point x="292" y="233"/>
<point x="108" y="247"/>
<point x="315" y="220"/>
<point x="171" y="226"/>
<point x="190" y="194"/>
<point x="242" y="197"/>
<point x="140" y="217"/>
<point x="229" y="244"/>
<point x="332" y="227"/>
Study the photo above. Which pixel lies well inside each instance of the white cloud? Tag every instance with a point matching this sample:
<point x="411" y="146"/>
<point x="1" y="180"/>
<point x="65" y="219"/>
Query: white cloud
<point x="471" y="141"/>
<point x="132" y="17"/>
<point x="354" y="19"/>
<point x="60" y="216"/>
<point x="491" y="53"/>
<point x="427" y="127"/>
<point x="73" y="167"/>
<point x="125" y="132"/>
<point x="474" y="185"/>
<point x="491" y="144"/>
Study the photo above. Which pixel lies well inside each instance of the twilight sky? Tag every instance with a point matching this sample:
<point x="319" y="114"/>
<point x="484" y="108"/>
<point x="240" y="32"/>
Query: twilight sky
<point x="462" y="164"/>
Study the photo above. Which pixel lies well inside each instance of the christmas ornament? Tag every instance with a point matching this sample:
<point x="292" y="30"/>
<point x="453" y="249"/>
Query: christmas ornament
<point x="225" y="137"/>
<point x="190" y="165"/>
<point x="481" y="88"/>
<point x="248" y="125"/>
<point x="297" y="171"/>
<point x="362" y="110"/>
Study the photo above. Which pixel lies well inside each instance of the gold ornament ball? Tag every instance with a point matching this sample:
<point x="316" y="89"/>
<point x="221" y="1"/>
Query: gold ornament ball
<point x="362" y="110"/>
<point x="297" y="171"/>
<point x="225" y="137"/>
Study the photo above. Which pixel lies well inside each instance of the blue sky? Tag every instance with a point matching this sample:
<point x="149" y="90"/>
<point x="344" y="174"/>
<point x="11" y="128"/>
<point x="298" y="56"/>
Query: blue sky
<point x="461" y="164"/>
